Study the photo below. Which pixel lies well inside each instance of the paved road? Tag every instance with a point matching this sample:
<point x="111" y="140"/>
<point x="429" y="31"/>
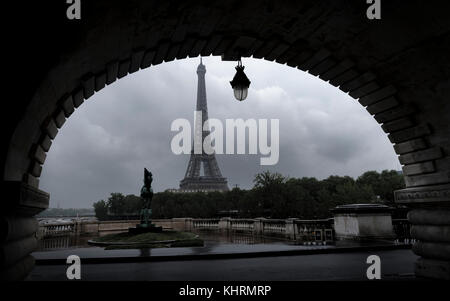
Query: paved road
<point x="395" y="264"/>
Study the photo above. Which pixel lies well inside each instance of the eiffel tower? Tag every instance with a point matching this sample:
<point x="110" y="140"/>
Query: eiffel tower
<point x="211" y="179"/>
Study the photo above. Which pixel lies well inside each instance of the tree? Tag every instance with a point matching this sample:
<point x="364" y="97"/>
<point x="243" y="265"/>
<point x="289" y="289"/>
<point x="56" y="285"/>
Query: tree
<point x="101" y="210"/>
<point x="383" y="185"/>
<point x="132" y="204"/>
<point x="116" y="204"/>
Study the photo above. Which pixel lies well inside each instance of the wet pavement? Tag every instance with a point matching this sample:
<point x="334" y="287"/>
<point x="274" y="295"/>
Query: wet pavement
<point x="228" y="257"/>
<point x="395" y="265"/>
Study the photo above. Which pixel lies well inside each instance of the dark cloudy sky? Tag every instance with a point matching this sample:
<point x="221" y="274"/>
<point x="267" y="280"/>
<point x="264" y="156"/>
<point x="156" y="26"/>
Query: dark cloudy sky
<point x="105" y="145"/>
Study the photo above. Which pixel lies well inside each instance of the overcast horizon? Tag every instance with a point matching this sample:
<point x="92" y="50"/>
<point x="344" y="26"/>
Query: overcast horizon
<point x="105" y="145"/>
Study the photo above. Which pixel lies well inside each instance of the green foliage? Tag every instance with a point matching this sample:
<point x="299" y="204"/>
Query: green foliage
<point x="273" y="196"/>
<point x="382" y="184"/>
<point x="118" y="205"/>
<point x="101" y="210"/>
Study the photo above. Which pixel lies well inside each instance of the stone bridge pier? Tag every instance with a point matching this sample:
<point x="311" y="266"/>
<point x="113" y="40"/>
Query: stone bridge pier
<point x="429" y="216"/>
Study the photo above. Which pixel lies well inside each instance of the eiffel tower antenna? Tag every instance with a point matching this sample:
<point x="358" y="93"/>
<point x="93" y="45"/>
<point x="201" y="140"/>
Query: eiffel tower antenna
<point x="211" y="179"/>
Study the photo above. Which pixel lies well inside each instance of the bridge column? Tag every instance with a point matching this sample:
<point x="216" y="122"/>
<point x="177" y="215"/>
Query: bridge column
<point x="225" y="224"/>
<point x="291" y="228"/>
<point x="429" y="216"/>
<point x="18" y="228"/>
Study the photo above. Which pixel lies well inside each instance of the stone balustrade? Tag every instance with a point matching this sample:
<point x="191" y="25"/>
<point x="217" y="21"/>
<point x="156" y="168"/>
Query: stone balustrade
<point x="320" y="231"/>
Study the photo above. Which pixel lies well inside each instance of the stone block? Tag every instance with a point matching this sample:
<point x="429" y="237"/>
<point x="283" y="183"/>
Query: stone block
<point x="277" y="51"/>
<point x="49" y="127"/>
<point x="31" y="180"/>
<point x="377" y="95"/>
<point x="185" y="48"/>
<point x="410" y="133"/>
<point x="161" y="53"/>
<point x="420" y="156"/>
<point x="382" y="105"/>
<point x="323" y="66"/>
<point x="392" y="114"/>
<point x="36" y="169"/>
<point x="430" y="233"/>
<point x="112" y="70"/>
<point x="136" y="60"/>
<point x="210" y="45"/>
<point x="410" y="146"/>
<point x="59" y="118"/>
<point x="172" y="52"/>
<point x="337" y="70"/>
<point x="13" y="251"/>
<point x="67" y="105"/>
<point x="364" y="90"/>
<point x="363" y="222"/>
<point x="419" y="216"/>
<point x="24" y="199"/>
<point x="148" y="59"/>
<point x="319" y="56"/>
<point x="77" y="97"/>
<point x="344" y="77"/>
<point x="124" y="66"/>
<point x="433" y="250"/>
<point x="39" y="154"/>
<point x="427" y="179"/>
<point x="418" y="168"/>
<point x="88" y="84"/>
<point x="198" y="47"/>
<point x="16" y="228"/>
<point x="357" y="82"/>
<point x="264" y="49"/>
<point x="100" y="81"/>
<point x="45" y="142"/>
<point x="397" y="125"/>
<point x="431" y="268"/>
<point x="298" y="59"/>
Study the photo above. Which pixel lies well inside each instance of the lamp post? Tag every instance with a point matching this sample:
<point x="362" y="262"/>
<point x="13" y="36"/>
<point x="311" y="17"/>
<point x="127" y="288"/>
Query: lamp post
<point x="240" y="83"/>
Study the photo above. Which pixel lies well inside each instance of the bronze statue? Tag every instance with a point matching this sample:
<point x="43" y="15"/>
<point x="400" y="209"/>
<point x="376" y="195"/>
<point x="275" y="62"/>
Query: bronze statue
<point x="146" y="211"/>
<point x="147" y="195"/>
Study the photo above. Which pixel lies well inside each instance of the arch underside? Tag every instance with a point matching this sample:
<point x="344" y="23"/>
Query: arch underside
<point x="389" y="71"/>
<point x="397" y="68"/>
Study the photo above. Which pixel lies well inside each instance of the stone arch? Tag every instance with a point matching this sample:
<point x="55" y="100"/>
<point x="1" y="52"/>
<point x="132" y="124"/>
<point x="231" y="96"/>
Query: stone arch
<point x="396" y="118"/>
<point x="397" y="69"/>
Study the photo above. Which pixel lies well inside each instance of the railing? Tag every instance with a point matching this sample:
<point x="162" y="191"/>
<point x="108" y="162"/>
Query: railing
<point x="48" y="230"/>
<point x="206" y="223"/>
<point x="274" y="226"/>
<point x="307" y="232"/>
<point x="303" y="231"/>
<point x="313" y="232"/>
<point x="242" y="224"/>
<point x="402" y="230"/>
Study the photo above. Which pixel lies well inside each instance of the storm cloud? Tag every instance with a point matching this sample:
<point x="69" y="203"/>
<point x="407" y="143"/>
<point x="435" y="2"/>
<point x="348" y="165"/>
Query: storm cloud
<point x="105" y="145"/>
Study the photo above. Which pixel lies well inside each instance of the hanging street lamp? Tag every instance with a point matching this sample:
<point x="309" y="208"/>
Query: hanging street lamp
<point x="240" y="83"/>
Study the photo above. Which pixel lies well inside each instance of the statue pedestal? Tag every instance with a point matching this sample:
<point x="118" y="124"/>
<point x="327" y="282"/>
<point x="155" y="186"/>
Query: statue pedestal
<point x="144" y="228"/>
<point x="146" y="224"/>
